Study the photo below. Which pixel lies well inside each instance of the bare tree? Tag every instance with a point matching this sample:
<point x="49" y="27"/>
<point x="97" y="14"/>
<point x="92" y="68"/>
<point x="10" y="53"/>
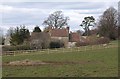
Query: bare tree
<point x="10" y="31"/>
<point x="108" y="23"/>
<point x="56" y="20"/>
<point x="2" y="39"/>
<point x="119" y="13"/>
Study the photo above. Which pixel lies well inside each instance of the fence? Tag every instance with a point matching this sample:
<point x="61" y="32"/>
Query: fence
<point x="59" y="50"/>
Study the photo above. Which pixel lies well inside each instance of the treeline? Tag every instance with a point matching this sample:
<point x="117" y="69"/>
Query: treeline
<point x="20" y="35"/>
<point x="107" y="26"/>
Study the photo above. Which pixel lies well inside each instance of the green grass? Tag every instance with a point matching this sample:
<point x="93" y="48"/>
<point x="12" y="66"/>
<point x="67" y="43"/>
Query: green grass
<point x="98" y="62"/>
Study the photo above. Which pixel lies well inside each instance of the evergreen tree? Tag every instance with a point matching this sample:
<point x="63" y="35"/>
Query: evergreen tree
<point x="18" y="35"/>
<point x="86" y="23"/>
<point x="37" y="29"/>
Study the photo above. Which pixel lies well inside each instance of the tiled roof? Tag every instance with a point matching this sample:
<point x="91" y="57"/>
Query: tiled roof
<point x="59" y="33"/>
<point x="74" y="37"/>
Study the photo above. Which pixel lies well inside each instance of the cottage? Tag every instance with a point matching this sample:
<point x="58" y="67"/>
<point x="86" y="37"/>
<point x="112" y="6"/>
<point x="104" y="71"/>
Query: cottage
<point x="60" y="35"/>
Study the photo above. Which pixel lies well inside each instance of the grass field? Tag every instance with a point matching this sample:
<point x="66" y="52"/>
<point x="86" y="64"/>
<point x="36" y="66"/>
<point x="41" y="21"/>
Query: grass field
<point x="89" y="61"/>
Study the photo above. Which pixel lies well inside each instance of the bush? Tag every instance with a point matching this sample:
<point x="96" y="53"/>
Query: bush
<point x="102" y="40"/>
<point x="15" y="48"/>
<point x="56" y="44"/>
<point x="82" y="44"/>
<point x="94" y="41"/>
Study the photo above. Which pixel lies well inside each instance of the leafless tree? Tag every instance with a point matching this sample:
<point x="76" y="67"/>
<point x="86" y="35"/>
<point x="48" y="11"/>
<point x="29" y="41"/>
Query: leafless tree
<point x="56" y="20"/>
<point x="108" y="23"/>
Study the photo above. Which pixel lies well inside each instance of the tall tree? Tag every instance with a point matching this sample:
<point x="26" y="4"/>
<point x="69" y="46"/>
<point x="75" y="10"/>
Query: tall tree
<point x="24" y="33"/>
<point x="118" y="29"/>
<point x="37" y="29"/>
<point x="15" y="37"/>
<point x="56" y="20"/>
<point x="10" y="31"/>
<point x="86" y="23"/>
<point x="18" y="35"/>
<point x="2" y="39"/>
<point x="108" y="23"/>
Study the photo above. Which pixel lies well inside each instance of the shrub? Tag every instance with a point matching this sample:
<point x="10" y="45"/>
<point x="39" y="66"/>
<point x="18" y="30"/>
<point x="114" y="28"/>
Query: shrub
<point x="56" y="44"/>
<point x="82" y="43"/>
<point x="94" y="41"/>
<point x="102" y="40"/>
<point x="15" y="48"/>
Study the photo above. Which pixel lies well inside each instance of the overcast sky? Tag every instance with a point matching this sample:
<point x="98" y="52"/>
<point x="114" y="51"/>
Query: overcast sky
<point x="13" y="14"/>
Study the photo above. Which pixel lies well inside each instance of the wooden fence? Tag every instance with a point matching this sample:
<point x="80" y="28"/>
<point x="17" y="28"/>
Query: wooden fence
<point x="59" y="50"/>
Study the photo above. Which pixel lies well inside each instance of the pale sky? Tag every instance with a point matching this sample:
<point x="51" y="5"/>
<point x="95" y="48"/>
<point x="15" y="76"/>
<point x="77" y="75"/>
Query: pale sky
<point x="34" y="12"/>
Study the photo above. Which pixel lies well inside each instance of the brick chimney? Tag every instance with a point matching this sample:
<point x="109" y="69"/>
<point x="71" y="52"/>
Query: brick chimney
<point x="68" y="28"/>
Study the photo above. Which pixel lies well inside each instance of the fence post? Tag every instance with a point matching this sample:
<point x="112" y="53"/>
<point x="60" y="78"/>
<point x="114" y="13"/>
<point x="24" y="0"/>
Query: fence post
<point x="92" y="47"/>
<point x="48" y="51"/>
<point x="63" y="50"/>
<point x="85" y="48"/>
<point x="55" y="49"/>
<point x="14" y="53"/>
<point x="99" y="46"/>
<point x="71" y="49"/>
<point x="78" y="49"/>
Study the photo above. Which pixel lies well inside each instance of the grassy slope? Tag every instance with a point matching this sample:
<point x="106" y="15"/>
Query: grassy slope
<point x="103" y="63"/>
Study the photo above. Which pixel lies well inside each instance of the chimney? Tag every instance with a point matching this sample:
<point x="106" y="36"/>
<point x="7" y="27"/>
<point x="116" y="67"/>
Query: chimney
<point x="67" y="28"/>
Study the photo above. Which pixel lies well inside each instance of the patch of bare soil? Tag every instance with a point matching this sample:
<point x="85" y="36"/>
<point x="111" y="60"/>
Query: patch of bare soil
<point x="28" y="62"/>
<point x="24" y="63"/>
